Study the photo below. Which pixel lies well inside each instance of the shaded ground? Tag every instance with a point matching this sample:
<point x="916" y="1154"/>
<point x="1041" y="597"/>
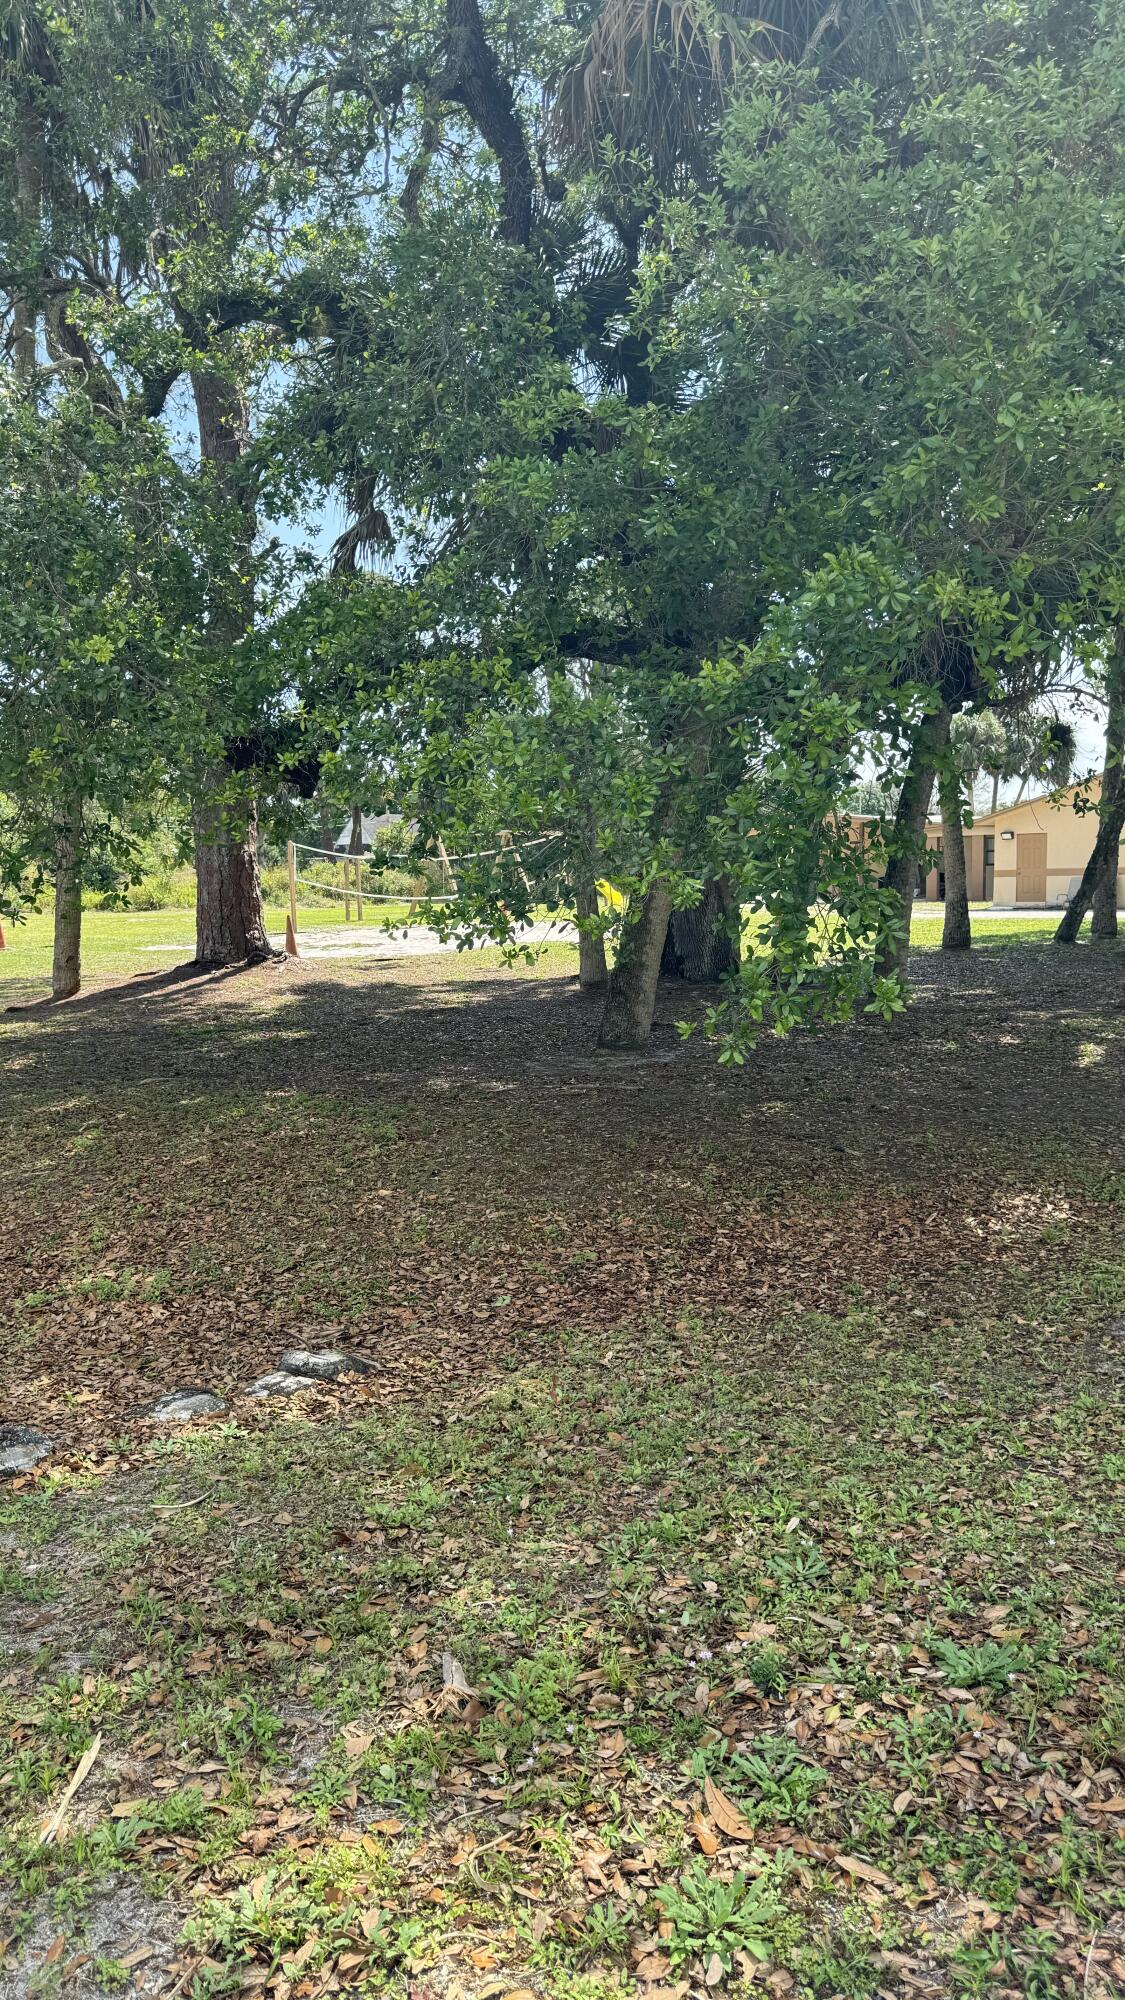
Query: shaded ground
<point x="750" y="1444"/>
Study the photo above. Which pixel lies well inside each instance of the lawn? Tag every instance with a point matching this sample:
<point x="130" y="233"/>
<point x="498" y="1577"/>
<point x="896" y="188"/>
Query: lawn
<point x="713" y="1585"/>
<point x="117" y="943"/>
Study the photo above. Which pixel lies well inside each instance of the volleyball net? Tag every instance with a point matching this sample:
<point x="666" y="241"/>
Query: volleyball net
<point x="392" y="888"/>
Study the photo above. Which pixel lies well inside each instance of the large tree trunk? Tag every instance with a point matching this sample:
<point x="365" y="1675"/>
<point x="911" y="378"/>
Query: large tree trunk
<point x="631" y="999"/>
<point x="1103" y="923"/>
<point x="956" y="933"/>
<point x="593" y="972"/>
<point x="66" y="969"/>
<point x="698" y="944"/>
<point x="909" y="831"/>
<point x="230" y="924"/>
<point x="1098" y="887"/>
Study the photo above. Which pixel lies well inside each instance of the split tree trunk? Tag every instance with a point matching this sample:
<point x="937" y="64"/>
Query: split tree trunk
<point x="956" y="933"/>
<point x="698" y="944"/>
<point x="593" y="972"/>
<point x="230" y="924"/>
<point x="1098" y="887"/>
<point x="909" y="832"/>
<point x="66" y="969"/>
<point x="631" y="998"/>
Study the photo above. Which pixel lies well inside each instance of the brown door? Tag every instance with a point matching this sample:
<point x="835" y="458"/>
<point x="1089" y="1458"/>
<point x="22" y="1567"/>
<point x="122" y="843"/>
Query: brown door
<point x="1031" y="867"/>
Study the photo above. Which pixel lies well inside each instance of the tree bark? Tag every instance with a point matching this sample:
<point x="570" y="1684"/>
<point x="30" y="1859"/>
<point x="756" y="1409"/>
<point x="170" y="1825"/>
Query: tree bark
<point x="476" y="80"/>
<point x="355" y="837"/>
<point x="956" y="933"/>
<point x="593" y="972"/>
<point x="631" y="999"/>
<point x="698" y="944"/>
<point x="66" y="969"/>
<point x="909" y="832"/>
<point x="1103" y="923"/>
<point x="1098" y="887"/>
<point x="230" y="924"/>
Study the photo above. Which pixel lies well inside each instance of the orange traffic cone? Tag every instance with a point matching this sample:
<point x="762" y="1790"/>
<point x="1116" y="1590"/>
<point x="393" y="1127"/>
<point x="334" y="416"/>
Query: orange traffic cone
<point x="290" y="940"/>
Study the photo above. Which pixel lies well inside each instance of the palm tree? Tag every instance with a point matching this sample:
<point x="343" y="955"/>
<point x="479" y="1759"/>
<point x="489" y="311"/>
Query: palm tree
<point x="1027" y="743"/>
<point x="654" y="76"/>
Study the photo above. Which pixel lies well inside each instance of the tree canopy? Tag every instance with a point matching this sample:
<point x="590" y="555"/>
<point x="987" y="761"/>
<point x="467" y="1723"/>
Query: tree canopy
<point x="712" y="409"/>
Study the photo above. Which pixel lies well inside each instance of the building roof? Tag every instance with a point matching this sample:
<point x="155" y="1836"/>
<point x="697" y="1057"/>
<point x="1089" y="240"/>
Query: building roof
<point x="1063" y="794"/>
<point x="371" y="825"/>
<point x="984" y="822"/>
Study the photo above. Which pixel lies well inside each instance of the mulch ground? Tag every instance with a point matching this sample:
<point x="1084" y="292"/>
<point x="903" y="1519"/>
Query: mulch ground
<point x="734" y="1497"/>
<point x="431" y="1165"/>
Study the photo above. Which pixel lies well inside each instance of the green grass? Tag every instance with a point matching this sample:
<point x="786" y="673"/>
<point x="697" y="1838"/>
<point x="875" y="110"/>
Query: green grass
<point x="600" y="1551"/>
<point x="118" y="943"/>
<point x="1030" y="927"/>
<point x="752" y="1447"/>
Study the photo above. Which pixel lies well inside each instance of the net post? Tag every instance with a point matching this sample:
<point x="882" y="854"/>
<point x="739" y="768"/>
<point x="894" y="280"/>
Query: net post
<point x="347" y="892"/>
<point x="291" y="919"/>
<point x="358" y="889"/>
<point x="508" y="846"/>
<point x="449" y="879"/>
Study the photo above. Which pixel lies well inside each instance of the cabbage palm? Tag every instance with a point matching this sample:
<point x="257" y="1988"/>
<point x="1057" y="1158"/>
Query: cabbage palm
<point x="654" y="76"/>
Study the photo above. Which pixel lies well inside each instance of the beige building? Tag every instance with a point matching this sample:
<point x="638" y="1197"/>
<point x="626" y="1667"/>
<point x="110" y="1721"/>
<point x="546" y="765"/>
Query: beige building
<point x="978" y="864"/>
<point x="1029" y="855"/>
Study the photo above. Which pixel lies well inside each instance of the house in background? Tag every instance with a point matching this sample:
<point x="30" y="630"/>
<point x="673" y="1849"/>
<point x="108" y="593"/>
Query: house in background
<point x="1025" y="856"/>
<point x="862" y="829"/>
<point x="371" y="826"/>
<point x="1042" y="846"/>
<point x="1028" y="856"/>
<point x="978" y="864"/>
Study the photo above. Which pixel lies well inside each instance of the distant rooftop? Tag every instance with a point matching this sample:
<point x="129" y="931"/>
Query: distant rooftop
<point x="371" y="826"/>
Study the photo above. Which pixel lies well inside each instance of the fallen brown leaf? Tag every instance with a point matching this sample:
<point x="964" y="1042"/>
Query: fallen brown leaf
<point x="705" y="1834"/>
<point x="863" y="1871"/>
<point x="725" y="1813"/>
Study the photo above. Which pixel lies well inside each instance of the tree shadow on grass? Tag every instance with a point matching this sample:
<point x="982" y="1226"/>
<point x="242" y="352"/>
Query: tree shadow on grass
<point x="996" y="1042"/>
<point x="137" y="985"/>
<point x="428" y="1159"/>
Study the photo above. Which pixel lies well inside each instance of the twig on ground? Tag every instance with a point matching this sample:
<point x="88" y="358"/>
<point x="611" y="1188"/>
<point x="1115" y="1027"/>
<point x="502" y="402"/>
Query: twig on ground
<point x="85" y="1766"/>
<point x="177" y="1506"/>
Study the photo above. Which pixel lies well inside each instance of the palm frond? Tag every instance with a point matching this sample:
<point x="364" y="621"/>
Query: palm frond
<point x="370" y="530"/>
<point x="655" y="76"/>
